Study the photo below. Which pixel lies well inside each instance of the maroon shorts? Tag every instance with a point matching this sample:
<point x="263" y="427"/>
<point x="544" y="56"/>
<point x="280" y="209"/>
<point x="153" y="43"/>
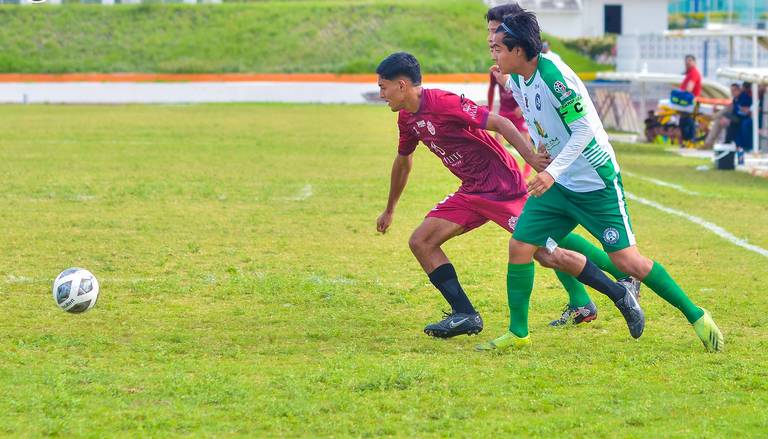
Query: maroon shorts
<point x="472" y="211"/>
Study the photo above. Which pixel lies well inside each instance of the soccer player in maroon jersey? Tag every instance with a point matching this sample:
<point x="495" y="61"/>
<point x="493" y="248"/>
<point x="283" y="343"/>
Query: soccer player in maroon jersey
<point x="454" y="129"/>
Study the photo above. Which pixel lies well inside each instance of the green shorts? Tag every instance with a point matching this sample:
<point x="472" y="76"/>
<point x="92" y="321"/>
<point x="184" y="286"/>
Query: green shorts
<point x="559" y="210"/>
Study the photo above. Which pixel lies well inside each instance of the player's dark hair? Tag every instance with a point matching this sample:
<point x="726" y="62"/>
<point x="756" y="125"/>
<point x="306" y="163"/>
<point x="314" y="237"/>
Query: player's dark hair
<point x="400" y="64"/>
<point x="691" y="57"/>
<point x="522" y="30"/>
<point x="497" y="13"/>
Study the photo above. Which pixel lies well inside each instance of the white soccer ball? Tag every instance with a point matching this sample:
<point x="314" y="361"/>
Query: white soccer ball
<point x="75" y="290"/>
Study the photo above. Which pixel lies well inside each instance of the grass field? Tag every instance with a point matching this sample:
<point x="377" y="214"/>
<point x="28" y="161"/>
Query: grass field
<point x="267" y="37"/>
<point x="246" y="293"/>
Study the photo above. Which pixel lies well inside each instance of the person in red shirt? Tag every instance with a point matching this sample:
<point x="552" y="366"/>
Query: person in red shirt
<point x="692" y="81"/>
<point x="692" y="84"/>
<point x="454" y="129"/>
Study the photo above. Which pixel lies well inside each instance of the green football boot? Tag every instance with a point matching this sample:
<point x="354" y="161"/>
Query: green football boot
<point x="506" y="341"/>
<point x="709" y="333"/>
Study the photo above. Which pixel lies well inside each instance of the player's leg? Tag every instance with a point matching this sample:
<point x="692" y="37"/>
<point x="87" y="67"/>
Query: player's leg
<point x="519" y="287"/>
<point x="448" y="219"/>
<point x="553" y="212"/>
<point x="426" y="241"/>
<point x="580" y="307"/>
<point x="599" y="257"/>
<point x="653" y="275"/>
<point x="540" y="217"/>
<point x="605" y="216"/>
<point x="588" y="273"/>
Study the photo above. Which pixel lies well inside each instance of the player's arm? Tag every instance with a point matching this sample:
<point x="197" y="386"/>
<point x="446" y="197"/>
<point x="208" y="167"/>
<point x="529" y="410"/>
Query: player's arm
<point x="581" y="134"/>
<point x="401" y="168"/>
<point x="507" y="129"/>
<point x="491" y="92"/>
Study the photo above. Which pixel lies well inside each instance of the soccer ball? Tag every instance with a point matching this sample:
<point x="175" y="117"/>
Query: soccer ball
<point x="75" y="290"/>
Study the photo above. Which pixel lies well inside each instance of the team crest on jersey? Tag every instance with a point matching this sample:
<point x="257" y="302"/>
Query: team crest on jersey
<point x="611" y="236"/>
<point x="561" y="90"/>
<point x="421" y="124"/>
<point x="430" y="128"/>
<point x="512" y="222"/>
<point x="538" y="101"/>
<point x="540" y="129"/>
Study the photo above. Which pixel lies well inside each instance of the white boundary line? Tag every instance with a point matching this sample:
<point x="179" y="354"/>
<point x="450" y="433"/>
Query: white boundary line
<point x="662" y="183"/>
<point x="303" y="194"/>
<point x="714" y="228"/>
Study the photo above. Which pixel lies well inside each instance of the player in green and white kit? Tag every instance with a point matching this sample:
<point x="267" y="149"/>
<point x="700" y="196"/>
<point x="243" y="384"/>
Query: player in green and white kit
<point x="582" y="185"/>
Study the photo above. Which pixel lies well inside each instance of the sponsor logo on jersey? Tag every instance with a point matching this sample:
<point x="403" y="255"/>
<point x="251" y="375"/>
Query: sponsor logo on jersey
<point x="512" y="222"/>
<point x="540" y="129"/>
<point x="436" y="148"/>
<point x="610" y="235"/>
<point x="469" y="108"/>
<point x="538" y="101"/>
<point x="526" y="102"/>
<point x="421" y="124"/>
<point x="430" y="128"/>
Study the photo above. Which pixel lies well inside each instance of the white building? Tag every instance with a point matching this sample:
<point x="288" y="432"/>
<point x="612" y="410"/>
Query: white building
<point x="594" y="18"/>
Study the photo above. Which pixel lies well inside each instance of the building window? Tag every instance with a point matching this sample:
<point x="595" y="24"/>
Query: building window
<point x="612" y="17"/>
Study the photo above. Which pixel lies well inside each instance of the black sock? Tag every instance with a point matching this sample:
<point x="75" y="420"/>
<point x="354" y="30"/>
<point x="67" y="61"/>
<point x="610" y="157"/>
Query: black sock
<point x="444" y="278"/>
<point x="595" y="278"/>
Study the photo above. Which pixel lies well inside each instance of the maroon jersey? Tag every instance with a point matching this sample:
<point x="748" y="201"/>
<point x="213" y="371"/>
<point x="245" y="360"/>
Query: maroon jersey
<point x="507" y="104"/>
<point x="453" y="128"/>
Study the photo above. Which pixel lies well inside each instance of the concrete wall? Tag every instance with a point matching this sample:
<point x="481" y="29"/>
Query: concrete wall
<point x="638" y="17"/>
<point x="563" y="24"/>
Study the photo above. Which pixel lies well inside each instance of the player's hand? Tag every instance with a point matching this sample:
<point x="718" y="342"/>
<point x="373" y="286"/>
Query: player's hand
<point x="541" y="159"/>
<point x="501" y="78"/>
<point x="540" y="184"/>
<point x="384" y="221"/>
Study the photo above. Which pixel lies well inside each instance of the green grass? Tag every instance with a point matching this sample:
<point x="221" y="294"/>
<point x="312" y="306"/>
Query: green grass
<point x="230" y="307"/>
<point x="268" y="37"/>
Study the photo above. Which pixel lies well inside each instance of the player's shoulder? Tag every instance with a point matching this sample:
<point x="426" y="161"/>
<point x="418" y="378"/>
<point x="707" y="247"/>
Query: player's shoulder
<point x="438" y="96"/>
<point x="443" y="101"/>
<point x="552" y="69"/>
<point x="561" y="80"/>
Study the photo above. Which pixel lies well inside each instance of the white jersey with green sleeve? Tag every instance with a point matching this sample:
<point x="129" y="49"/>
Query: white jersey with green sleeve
<point x="560" y="115"/>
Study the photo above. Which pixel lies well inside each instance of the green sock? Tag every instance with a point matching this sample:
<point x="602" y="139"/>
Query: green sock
<point x="662" y="284"/>
<point x="519" y="287"/>
<point x="598" y="257"/>
<point x="577" y="294"/>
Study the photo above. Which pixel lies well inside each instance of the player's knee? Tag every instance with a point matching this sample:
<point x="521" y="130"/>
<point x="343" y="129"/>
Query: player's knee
<point x="546" y="259"/>
<point x="418" y="243"/>
<point x="633" y="266"/>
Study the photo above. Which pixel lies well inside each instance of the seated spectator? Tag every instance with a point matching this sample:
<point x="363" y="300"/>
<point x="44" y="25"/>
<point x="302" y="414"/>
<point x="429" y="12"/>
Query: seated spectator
<point x="723" y="120"/>
<point x="652" y="126"/>
<point x="731" y="119"/>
